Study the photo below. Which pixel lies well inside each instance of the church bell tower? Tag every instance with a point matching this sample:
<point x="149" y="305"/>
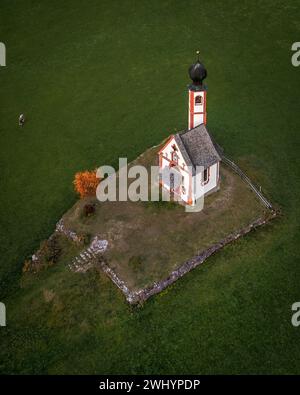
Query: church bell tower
<point x="197" y="94"/>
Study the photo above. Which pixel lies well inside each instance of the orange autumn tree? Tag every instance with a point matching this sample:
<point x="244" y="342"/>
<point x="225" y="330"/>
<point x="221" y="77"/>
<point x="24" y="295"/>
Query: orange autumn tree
<point x="86" y="183"/>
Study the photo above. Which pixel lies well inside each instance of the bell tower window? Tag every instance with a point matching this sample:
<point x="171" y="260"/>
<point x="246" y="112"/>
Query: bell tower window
<point x="198" y="100"/>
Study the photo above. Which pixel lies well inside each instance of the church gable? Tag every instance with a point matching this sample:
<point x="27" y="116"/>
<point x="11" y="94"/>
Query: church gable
<point x="173" y="154"/>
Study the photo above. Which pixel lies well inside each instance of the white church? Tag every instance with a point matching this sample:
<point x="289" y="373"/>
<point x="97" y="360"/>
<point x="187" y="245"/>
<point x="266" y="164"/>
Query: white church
<point x="189" y="159"/>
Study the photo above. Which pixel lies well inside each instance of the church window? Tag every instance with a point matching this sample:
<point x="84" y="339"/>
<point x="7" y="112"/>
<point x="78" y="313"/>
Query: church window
<point x="175" y="157"/>
<point x="206" y="176"/>
<point x="198" y="100"/>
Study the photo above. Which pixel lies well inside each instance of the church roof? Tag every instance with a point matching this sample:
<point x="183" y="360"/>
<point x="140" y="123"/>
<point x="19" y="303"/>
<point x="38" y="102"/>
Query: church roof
<point x="197" y="147"/>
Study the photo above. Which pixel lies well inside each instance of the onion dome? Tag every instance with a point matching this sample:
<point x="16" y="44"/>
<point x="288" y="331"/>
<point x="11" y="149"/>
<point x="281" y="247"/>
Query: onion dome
<point x="197" y="72"/>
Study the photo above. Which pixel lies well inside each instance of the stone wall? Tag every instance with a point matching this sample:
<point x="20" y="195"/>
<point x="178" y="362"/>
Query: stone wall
<point x="134" y="297"/>
<point x="60" y="227"/>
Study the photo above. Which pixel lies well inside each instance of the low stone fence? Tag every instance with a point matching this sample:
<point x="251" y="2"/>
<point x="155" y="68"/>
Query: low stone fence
<point x="134" y="297"/>
<point x="60" y="227"/>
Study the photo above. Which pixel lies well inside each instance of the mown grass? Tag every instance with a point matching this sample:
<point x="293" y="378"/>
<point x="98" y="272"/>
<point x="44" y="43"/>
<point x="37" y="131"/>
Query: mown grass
<point x="108" y="79"/>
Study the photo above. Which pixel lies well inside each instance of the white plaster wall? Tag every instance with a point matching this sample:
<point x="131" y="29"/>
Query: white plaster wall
<point x="168" y="149"/>
<point x="212" y="183"/>
<point x="198" y="118"/>
<point x="196" y="192"/>
<point x="181" y="163"/>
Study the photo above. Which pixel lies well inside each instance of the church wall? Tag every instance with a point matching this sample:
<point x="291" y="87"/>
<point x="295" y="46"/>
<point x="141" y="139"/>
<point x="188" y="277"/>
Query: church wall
<point x="212" y="183"/>
<point x="181" y="168"/>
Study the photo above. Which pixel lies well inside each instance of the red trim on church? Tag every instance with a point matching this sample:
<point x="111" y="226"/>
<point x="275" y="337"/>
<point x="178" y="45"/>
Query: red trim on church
<point x="192" y="111"/>
<point x="167" y="143"/>
<point x="191" y="120"/>
<point x="204" y="105"/>
<point x="172" y="163"/>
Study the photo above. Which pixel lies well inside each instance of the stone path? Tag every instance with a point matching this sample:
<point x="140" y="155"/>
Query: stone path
<point x="85" y="260"/>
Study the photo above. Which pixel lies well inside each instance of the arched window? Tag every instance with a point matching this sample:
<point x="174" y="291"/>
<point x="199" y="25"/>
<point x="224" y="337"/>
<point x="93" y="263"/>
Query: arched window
<point x="206" y="176"/>
<point x="198" y="100"/>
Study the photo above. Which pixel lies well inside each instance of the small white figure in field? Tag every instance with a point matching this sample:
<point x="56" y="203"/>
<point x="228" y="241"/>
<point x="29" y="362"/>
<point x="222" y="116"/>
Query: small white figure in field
<point x="21" y="119"/>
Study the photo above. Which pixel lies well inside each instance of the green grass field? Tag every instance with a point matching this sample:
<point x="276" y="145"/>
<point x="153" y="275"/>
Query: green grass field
<point x="106" y="79"/>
